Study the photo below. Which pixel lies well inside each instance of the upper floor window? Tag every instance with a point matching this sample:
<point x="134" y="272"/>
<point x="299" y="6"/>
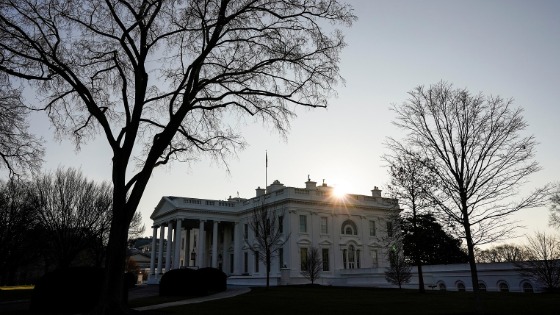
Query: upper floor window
<point x="324" y="225"/>
<point x="246" y="231"/>
<point x="371" y="228"/>
<point x="349" y="228"/>
<point x="390" y="229"/>
<point x="303" y="223"/>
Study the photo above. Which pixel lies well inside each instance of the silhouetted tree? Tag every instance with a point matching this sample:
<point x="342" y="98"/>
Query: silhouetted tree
<point x="20" y="151"/>
<point x="398" y="272"/>
<point x="18" y="220"/>
<point x="73" y="212"/>
<point x="410" y="182"/>
<point x="430" y="242"/>
<point x="555" y="207"/>
<point x="268" y="237"/>
<point x="502" y="253"/>
<point x="312" y="265"/>
<point x="479" y="156"/>
<point x="161" y="80"/>
<point x="543" y="262"/>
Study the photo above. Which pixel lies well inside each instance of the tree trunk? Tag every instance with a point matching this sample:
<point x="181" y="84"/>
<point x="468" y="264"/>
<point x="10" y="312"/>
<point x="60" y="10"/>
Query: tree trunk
<point x="112" y="298"/>
<point x="417" y="259"/>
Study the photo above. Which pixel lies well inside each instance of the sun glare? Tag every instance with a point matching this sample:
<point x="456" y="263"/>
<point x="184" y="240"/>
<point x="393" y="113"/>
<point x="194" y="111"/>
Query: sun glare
<point x="339" y="191"/>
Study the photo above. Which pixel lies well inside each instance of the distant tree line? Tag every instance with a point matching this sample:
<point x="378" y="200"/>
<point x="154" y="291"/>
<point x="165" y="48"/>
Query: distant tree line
<point x="53" y="221"/>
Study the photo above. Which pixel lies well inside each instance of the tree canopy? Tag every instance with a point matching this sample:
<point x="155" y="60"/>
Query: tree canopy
<point x="434" y="245"/>
<point x="168" y="79"/>
<point x="480" y="158"/>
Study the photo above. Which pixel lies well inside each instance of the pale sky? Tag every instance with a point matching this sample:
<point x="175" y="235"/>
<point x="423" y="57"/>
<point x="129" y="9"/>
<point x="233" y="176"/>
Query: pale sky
<point x="507" y="48"/>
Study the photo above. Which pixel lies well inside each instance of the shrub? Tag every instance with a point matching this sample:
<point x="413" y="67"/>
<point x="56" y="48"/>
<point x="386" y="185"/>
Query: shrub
<point x="130" y="279"/>
<point x="214" y="280"/>
<point x="180" y="282"/>
<point x="71" y="290"/>
<point x="183" y="282"/>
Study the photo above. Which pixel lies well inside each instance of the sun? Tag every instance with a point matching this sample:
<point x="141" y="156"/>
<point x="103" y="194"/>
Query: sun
<point x="339" y="191"/>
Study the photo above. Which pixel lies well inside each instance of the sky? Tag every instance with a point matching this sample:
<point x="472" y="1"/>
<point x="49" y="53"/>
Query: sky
<point x="507" y="48"/>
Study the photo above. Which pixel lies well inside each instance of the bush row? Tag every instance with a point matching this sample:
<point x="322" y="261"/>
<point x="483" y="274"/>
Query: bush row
<point x="191" y="282"/>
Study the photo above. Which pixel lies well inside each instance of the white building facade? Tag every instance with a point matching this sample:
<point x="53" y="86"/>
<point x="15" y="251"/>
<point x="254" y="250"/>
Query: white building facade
<point x="348" y="231"/>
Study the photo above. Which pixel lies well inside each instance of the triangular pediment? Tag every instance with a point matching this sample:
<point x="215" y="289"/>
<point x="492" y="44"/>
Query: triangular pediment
<point x="165" y="205"/>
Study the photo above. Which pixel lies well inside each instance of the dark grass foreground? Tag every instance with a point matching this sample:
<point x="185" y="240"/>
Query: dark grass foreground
<point x="341" y="300"/>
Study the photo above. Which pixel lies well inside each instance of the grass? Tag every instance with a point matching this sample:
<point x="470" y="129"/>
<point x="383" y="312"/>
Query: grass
<point x="16" y="293"/>
<point x="324" y="300"/>
<point x="338" y="300"/>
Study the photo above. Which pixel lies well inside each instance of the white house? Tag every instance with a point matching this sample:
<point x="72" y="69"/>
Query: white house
<point x="346" y="230"/>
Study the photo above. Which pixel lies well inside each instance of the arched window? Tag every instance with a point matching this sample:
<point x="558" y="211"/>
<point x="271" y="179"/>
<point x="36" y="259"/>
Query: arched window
<point x="460" y="286"/>
<point x="441" y="286"/>
<point x="527" y="287"/>
<point x="349" y="228"/>
<point x="503" y="286"/>
<point x="481" y="286"/>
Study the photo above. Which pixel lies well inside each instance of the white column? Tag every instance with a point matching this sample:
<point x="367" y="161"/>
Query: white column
<point x="201" y="252"/>
<point x="169" y="246"/>
<point x="215" y="245"/>
<point x="153" y="253"/>
<point x="160" y="249"/>
<point x="187" y="258"/>
<point x="225" y="245"/>
<point x="237" y="254"/>
<point x="176" y="261"/>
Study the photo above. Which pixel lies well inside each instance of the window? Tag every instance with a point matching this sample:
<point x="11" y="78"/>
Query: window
<point x="231" y="259"/>
<point x="256" y="262"/>
<point x="374" y="261"/>
<point x="182" y="243"/>
<point x="503" y="286"/>
<point x="461" y="286"/>
<point x="372" y="228"/>
<point x="246" y="231"/>
<point x="349" y="228"/>
<point x="390" y="229"/>
<point x="441" y="286"/>
<point x="527" y="287"/>
<point x="281" y="224"/>
<point x="325" y="258"/>
<point x="482" y="286"/>
<point x="303" y="224"/>
<point x="303" y="258"/>
<point x="350" y="258"/>
<point x="324" y="225"/>
<point x="281" y="258"/>
<point x="245" y="262"/>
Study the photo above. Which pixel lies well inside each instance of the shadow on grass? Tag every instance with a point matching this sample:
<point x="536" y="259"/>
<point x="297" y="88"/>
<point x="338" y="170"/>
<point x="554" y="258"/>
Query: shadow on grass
<point x="342" y="300"/>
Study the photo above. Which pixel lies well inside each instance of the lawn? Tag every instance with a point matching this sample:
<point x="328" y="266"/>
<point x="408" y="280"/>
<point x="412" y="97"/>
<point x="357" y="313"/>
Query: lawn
<point x="340" y="300"/>
<point x="293" y="300"/>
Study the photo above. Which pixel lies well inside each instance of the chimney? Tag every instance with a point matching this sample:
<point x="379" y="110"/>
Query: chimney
<point x="310" y="185"/>
<point x="260" y="191"/>
<point x="376" y="192"/>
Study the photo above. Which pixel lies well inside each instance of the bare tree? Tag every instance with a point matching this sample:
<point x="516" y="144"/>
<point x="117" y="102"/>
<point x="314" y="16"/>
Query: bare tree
<point x="17" y="226"/>
<point x="480" y="158"/>
<point x="410" y="181"/>
<point x="543" y="263"/>
<point x="312" y="265"/>
<point x="74" y="212"/>
<point x="268" y="238"/>
<point x="555" y="207"/>
<point x="20" y="151"/>
<point x="164" y="80"/>
<point x="398" y="272"/>
<point x="502" y="253"/>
